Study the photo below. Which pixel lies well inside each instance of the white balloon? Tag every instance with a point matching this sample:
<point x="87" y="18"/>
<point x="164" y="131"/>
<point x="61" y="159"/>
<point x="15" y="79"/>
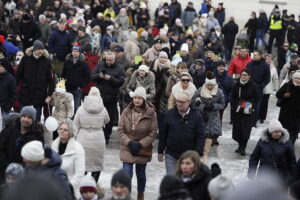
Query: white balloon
<point x="51" y="124"/>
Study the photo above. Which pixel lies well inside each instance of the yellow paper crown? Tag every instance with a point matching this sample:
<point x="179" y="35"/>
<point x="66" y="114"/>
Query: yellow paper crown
<point x="61" y="83"/>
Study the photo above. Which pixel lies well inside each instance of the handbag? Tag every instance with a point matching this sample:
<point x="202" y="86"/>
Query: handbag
<point x="244" y="107"/>
<point x="146" y="151"/>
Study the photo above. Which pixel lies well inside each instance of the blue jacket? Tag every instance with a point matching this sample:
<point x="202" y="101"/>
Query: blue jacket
<point x="260" y="73"/>
<point x="225" y="82"/>
<point x="8" y="91"/>
<point x="204" y="9"/>
<point x="60" y="44"/>
<point x="179" y="134"/>
<point x="107" y="40"/>
<point x="10" y="48"/>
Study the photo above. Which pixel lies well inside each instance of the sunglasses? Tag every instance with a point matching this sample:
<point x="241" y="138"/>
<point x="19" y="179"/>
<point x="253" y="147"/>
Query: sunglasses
<point x="185" y="80"/>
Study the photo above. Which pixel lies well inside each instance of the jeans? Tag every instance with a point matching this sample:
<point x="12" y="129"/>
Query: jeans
<point x="170" y="164"/>
<point x="77" y="98"/>
<point x="112" y="110"/>
<point x="140" y="170"/>
<point x="260" y="35"/>
<point x="228" y="52"/>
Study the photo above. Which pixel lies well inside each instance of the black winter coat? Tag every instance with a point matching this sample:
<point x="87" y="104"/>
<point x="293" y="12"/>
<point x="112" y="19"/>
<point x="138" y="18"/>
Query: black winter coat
<point x="225" y="82"/>
<point x="8" y="91"/>
<point x="198" y="76"/>
<point x="60" y="44"/>
<point x="274" y="155"/>
<point x="260" y="73"/>
<point x="179" y="134"/>
<point x="197" y="187"/>
<point x="36" y="79"/>
<point x="177" y="9"/>
<point x="76" y="75"/>
<point x="229" y="31"/>
<point x="109" y="89"/>
<point x="29" y="31"/>
<point x="263" y="22"/>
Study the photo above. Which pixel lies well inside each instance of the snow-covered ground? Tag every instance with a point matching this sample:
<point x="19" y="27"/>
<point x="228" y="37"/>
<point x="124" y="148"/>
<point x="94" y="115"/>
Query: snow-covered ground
<point x="232" y="164"/>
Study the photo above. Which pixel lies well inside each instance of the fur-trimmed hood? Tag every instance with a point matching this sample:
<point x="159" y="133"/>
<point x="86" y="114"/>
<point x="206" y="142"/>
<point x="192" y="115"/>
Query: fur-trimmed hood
<point x="70" y="57"/>
<point x="29" y="51"/>
<point x="150" y="78"/>
<point x="265" y="136"/>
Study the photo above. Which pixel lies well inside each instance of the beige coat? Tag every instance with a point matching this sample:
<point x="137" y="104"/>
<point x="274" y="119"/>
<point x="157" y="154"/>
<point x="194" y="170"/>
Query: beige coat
<point x="90" y="119"/>
<point x="132" y="49"/>
<point x="63" y="107"/>
<point x="146" y="130"/>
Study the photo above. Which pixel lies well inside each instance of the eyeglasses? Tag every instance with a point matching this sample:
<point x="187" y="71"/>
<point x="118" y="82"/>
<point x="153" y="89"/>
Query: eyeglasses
<point x="63" y="129"/>
<point x="185" y="80"/>
<point x="181" y="102"/>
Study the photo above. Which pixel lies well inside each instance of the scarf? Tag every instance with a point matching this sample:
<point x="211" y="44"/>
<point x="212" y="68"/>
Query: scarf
<point x="208" y="94"/>
<point x="243" y="82"/>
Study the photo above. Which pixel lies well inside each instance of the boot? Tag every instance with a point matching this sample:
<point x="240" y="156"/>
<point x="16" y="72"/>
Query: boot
<point x="207" y="147"/>
<point x="243" y="149"/>
<point x="140" y="196"/>
<point x="238" y="150"/>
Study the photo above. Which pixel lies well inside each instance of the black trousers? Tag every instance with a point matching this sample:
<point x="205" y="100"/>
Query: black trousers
<point x="275" y="34"/>
<point x="112" y="110"/>
<point x="263" y="110"/>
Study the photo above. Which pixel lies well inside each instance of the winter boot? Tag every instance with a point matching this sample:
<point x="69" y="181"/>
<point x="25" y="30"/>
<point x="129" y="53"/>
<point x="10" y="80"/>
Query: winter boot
<point x="243" y="150"/>
<point x="207" y="147"/>
<point x="140" y="196"/>
<point x="238" y="150"/>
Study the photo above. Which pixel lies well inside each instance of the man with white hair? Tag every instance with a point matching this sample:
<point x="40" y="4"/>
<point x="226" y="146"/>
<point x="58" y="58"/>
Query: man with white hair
<point x="183" y="129"/>
<point x="45" y="29"/>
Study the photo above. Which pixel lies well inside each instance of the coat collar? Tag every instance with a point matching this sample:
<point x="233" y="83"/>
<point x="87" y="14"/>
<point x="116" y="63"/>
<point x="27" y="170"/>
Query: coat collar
<point x="70" y="149"/>
<point x="265" y="136"/>
<point x="149" y="110"/>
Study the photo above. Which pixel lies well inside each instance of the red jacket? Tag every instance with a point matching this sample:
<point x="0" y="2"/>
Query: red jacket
<point x="92" y="61"/>
<point x="238" y="64"/>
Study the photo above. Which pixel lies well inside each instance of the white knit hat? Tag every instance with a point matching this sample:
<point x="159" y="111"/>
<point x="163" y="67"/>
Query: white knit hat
<point x="139" y="92"/>
<point x="220" y="187"/>
<point x="133" y="35"/>
<point x="33" y="151"/>
<point x="144" y="68"/>
<point x="87" y="181"/>
<point x="210" y="81"/>
<point x="184" y="47"/>
<point x="275" y="125"/>
<point x="163" y="54"/>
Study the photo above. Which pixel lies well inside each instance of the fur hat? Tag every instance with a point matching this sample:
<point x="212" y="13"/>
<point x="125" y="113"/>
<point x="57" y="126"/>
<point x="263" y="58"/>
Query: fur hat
<point x="33" y="151"/>
<point x="38" y="45"/>
<point x="87" y="183"/>
<point x="163" y="54"/>
<point x="121" y="177"/>
<point x="28" y="110"/>
<point x="220" y="187"/>
<point x="144" y="68"/>
<point x="139" y="92"/>
<point x="275" y="125"/>
<point x="184" y="47"/>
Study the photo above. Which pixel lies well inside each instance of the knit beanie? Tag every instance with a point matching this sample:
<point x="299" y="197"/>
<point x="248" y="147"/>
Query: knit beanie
<point x="121" y="177"/>
<point x="28" y="110"/>
<point x="87" y="183"/>
<point x="163" y="54"/>
<point x="184" y="47"/>
<point x="14" y="169"/>
<point x="38" y="45"/>
<point x="139" y="92"/>
<point x="220" y="187"/>
<point x="275" y="125"/>
<point x="33" y="151"/>
<point x="144" y="68"/>
<point x="210" y="81"/>
<point x="76" y="48"/>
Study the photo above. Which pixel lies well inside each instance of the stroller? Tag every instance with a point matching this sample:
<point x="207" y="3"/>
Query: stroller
<point x="242" y="39"/>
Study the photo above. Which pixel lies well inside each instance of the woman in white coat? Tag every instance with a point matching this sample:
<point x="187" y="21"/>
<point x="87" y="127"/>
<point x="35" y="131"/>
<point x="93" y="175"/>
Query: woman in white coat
<point x="71" y="153"/>
<point x="90" y="118"/>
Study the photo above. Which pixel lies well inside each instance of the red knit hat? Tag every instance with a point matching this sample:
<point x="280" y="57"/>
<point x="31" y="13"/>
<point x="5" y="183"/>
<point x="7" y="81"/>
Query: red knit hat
<point x="2" y="39"/>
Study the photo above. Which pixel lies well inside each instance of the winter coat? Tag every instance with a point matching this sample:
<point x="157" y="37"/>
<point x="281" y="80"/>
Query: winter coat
<point x="123" y="21"/>
<point x="63" y="107"/>
<point x="263" y="23"/>
<point x="188" y="59"/>
<point x="151" y="54"/>
<point x="90" y="119"/>
<point x="273" y="85"/>
<point x="96" y="42"/>
<point x="145" y="132"/>
<point x="11" y="142"/>
<point x="142" y="18"/>
<point x="8" y="91"/>
<point x="284" y="72"/>
<point x="199" y="76"/>
<point x="275" y="155"/>
<point x="176" y="6"/>
<point x="86" y="39"/>
<point x="10" y="48"/>
<point x="161" y="91"/>
<point x="238" y="64"/>
<point x="251" y="26"/>
<point x="210" y="64"/>
<point x="229" y="31"/>
<point x="46" y="31"/>
<point x="106" y="40"/>
<point x="198" y="185"/>
<point x="211" y="23"/>
<point x="36" y="79"/>
<point x="179" y="134"/>
<point x="242" y="123"/>
<point x="148" y="83"/>
<point x="281" y="58"/>
<point x="188" y="16"/>
<point x="260" y="73"/>
<point x="29" y="31"/>
<point x="132" y="49"/>
<point x="92" y="61"/>
<point x="220" y="16"/>
<point x="213" y="123"/>
<point x="289" y="114"/>
<point x="76" y="74"/>
<point x="109" y="89"/>
<point x="59" y="44"/>
<point x="225" y="83"/>
<point x="124" y="62"/>
<point x="73" y="161"/>
<point x="177" y="88"/>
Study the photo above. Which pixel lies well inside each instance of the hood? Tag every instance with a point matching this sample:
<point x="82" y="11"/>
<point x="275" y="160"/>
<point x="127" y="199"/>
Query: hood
<point x="193" y="70"/>
<point x="265" y="136"/>
<point x="92" y="104"/>
<point x="150" y="78"/>
<point x="29" y="52"/>
<point x="54" y="158"/>
<point x="70" y="57"/>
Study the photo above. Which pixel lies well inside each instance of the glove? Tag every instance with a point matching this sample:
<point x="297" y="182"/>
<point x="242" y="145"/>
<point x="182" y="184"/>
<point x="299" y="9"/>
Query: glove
<point x="197" y="102"/>
<point x="209" y="107"/>
<point x="134" y="147"/>
<point x="131" y="94"/>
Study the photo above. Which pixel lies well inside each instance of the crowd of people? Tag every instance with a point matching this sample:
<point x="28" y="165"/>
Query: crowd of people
<point x="71" y="70"/>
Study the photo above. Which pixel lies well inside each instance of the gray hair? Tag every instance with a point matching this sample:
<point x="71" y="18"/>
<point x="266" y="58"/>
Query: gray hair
<point x="111" y="54"/>
<point x="71" y="126"/>
<point x="42" y="17"/>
